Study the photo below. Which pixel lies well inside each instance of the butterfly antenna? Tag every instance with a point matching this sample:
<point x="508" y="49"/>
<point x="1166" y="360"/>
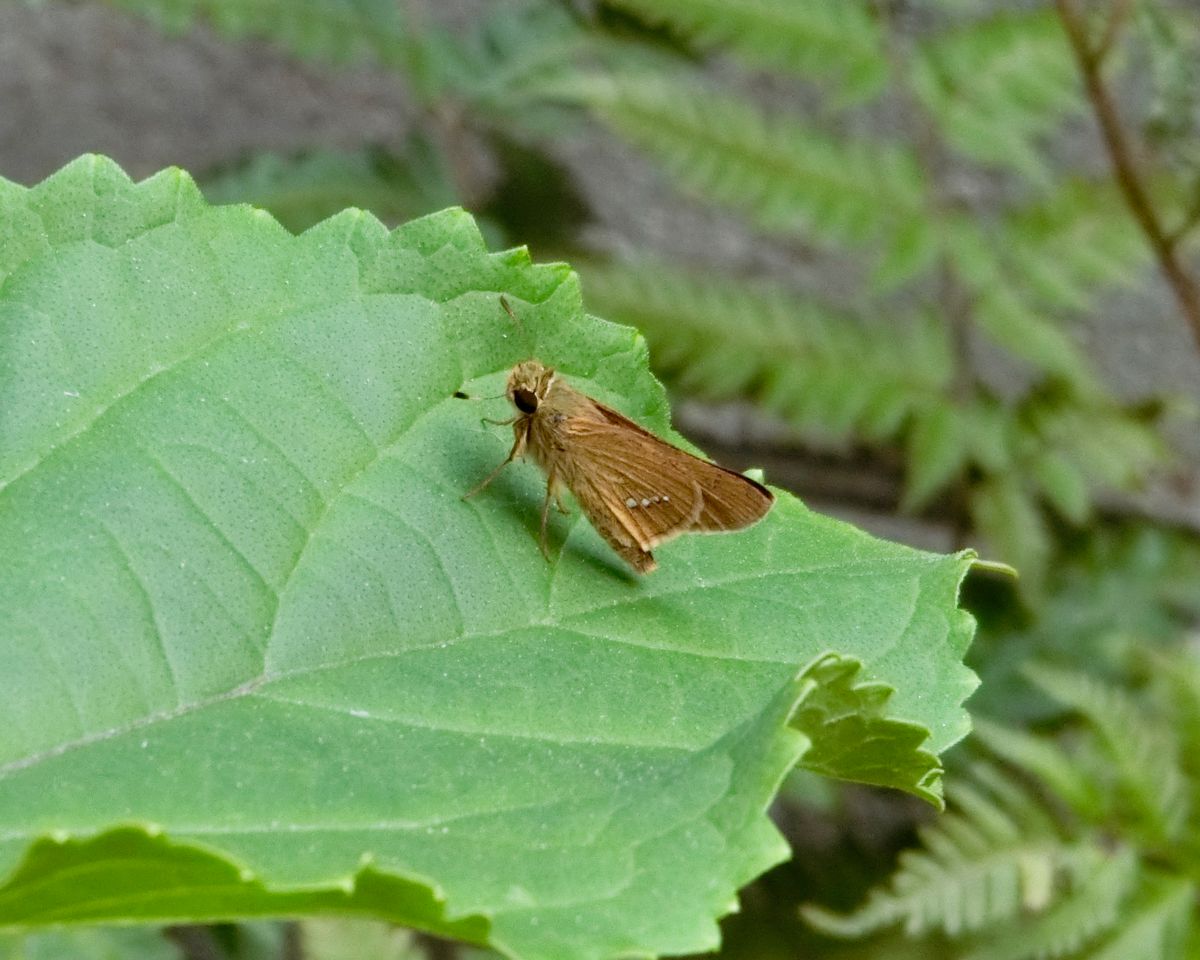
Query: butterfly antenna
<point x="459" y="395"/>
<point x="509" y="311"/>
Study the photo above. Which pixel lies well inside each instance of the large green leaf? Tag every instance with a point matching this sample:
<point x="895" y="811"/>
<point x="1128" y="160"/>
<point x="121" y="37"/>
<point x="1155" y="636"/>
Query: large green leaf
<point x="260" y="658"/>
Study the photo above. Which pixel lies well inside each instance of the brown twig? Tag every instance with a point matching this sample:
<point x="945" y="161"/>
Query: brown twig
<point x="1112" y="28"/>
<point x="1120" y="153"/>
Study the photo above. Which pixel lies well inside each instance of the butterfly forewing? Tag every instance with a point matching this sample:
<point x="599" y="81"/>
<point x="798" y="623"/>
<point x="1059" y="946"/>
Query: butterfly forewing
<point x="640" y="491"/>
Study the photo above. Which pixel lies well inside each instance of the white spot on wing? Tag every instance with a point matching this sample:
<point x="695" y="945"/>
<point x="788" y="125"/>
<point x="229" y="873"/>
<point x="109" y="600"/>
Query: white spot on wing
<point x="631" y="503"/>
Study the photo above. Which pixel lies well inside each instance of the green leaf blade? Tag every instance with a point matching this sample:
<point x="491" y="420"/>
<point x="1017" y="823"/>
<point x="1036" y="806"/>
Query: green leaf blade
<point x="262" y="647"/>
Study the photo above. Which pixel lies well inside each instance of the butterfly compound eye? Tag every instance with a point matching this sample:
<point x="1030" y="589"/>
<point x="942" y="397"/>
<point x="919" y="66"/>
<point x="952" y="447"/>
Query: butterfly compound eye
<point x="525" y="400"/>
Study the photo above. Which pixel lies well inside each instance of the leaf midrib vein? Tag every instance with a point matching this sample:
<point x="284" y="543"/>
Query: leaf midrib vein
<point x="251" y="686"/>
<point x="483" y="732"/>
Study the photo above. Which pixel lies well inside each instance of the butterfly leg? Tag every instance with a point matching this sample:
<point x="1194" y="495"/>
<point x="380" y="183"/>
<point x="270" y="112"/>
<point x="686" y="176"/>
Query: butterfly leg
<point x="498" y="423"/>
<point x="518" y="448"/>
<point x="551" y="494"/>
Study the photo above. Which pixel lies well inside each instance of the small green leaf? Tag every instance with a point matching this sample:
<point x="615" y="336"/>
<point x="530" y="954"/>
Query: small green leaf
<point x="263" y="660"/>
<point x="992" y="435"/>
<point x="854" y="740"/>
<point x="912" y="250"/>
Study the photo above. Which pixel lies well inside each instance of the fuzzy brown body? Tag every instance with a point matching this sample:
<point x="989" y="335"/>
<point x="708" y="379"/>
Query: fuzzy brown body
<point x="637" y="490"/>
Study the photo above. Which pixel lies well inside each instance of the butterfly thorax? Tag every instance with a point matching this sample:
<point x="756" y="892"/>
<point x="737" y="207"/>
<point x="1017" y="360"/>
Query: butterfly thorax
<point x="545" y="405"/>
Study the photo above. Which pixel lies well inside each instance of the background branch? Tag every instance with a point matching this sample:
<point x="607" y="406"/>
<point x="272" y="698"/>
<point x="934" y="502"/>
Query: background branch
<point x="1112" y="27"/>
<point x="1120" y="154"/>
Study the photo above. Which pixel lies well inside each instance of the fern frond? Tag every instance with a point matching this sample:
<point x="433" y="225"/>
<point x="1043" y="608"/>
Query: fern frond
<point x="939" y="447"/>
<point x="1059" y="447"/>
<point x="1011" y="795"/>
<point x="1000" y="85"/>
<point x="304" y="189"/>
<point x="1157" y="924"/>
<point x="1067" y="248"/>
<point x="1180" y="675"/>
<point x="819" y="370"/>
<point x="512" y="63"/>
<point x="1047" y="761"/>
<point x="1003" y="311"/>
<point x="1089" y="911"/>
<point x="340" y="31"/>
<point x="1042" y="260"/>
<point x="1062" y="447"/>
<point x="1172" y="49"/>
<point x="1115" y="596"/>
<point x="786" y="176"/>
<point x="1109" y="446"/>
<point x="831" y="375"/>
<point x="993" y="856"/>
<point x="838" y="40"/>
<point x="1146" y="753"/>
<point x="1010" y="321"/>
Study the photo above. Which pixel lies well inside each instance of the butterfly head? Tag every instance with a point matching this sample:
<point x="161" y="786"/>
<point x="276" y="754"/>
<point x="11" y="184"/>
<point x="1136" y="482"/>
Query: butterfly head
<point x="528" y="384"/>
